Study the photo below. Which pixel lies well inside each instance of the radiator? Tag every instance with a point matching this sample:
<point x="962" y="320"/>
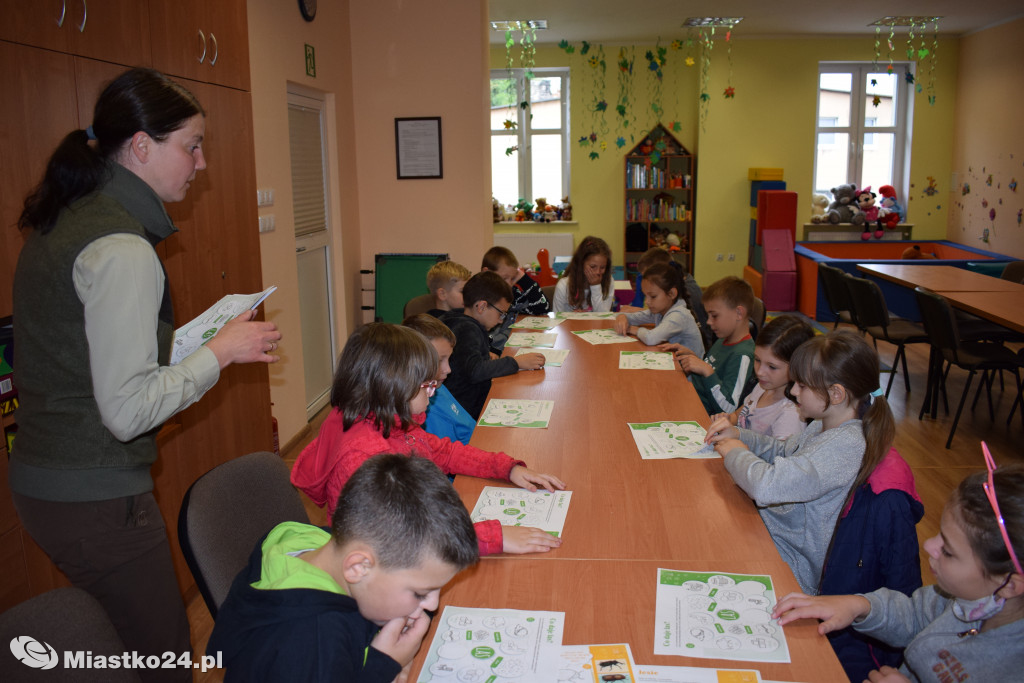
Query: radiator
<point x="525" y="245"/>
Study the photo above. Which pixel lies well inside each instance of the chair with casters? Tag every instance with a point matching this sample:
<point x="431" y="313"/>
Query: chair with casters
<point x="226" y="511"/>
<point x="418" y="304"/>
<point x="67" y="620"/>
<point x="873" y="317"/>
<point x="949" y="348"/>
<point x="757" y="317"/>
<point x="837" y="296"/>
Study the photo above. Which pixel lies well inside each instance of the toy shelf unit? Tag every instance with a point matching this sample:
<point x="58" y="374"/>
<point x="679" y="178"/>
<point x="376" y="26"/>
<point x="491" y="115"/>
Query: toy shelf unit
<point x="659" y="179"/>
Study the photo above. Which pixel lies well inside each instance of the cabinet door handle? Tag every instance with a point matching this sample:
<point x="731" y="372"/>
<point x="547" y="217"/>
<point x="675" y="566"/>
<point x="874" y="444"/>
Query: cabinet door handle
<point x="299" y="250"/>
<point x="63" y="11"/>
<point x="202" y="39"/>
<point x="85" y="16"/>
<point x="216" y="50"/>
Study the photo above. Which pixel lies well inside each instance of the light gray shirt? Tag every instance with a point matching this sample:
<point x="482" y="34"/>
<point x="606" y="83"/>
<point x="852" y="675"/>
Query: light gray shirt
<point x="676" y="325"/>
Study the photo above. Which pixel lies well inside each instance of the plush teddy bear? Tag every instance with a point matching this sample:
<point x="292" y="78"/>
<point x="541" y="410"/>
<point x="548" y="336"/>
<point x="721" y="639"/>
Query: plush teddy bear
<point x="566" y="208"/>
<point x="843" y="208"/>
<point x="819" y="205"/>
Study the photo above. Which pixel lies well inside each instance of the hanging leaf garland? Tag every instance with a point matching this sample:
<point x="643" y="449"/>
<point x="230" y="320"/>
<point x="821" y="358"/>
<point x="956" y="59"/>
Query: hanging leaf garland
<point x="730" y="91"/>
<point x="933" y="62"/>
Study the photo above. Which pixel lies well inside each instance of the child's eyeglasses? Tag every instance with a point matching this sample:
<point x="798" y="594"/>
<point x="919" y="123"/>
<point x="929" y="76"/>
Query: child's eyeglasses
<point x="503" y="313"/>
<point x="990" y="492"/>
<point x="430" y="386"/>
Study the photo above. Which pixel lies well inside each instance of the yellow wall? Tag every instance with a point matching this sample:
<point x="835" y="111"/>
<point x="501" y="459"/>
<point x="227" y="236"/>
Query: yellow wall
<point x="989" y="141"/>
<point x="770" y="123"/>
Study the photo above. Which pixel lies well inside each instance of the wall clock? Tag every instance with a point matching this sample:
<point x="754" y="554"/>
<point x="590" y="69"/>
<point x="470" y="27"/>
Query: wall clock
<point x="308" y="9"/>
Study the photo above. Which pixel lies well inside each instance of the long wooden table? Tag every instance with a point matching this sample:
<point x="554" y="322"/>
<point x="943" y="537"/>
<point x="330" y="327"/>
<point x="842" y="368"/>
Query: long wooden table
<point x="1000" y="307"/>
<point x="940" y="278"/>
<point x="628" y="516"/>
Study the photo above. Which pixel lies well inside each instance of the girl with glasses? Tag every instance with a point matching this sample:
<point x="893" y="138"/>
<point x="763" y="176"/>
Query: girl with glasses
<point x="385" y="378"/>
<point x="970" y="624"/>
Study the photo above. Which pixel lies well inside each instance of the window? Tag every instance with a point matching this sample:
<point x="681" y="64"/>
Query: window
<point x="529" y="144"/>
<point x="863" y="133"/>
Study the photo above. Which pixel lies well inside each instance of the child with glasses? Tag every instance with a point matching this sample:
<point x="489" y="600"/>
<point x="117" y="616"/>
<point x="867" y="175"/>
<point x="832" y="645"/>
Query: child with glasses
<point x="970" y="624"/>
<point x="486" y="300"/>
<point x="385" y="378"/>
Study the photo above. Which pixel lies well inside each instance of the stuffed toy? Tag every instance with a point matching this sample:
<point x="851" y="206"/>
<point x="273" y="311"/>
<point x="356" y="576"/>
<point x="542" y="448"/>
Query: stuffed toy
<point x="914" y="253"/>
<point x="843" y="208"/>
<point x="819" y="205"/>
<point x="499" y="213"/>
<point x="891" y="213"/>
<point x="865" y="199"/>
<point x="566" y="208"/>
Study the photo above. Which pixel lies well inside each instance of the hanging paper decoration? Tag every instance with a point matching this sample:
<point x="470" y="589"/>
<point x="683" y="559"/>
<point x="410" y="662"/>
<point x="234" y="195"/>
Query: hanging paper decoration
<point x="730" y="91"/>
<point x="622" y="108"/>
<point x="932" y="62"/>
<point x="598" y="104"/>
<point x="706" y="43"/>
<point x="564" y="45"/>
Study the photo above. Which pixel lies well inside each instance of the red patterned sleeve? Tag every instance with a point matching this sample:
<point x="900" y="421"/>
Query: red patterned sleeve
<point x="488" y="537"/>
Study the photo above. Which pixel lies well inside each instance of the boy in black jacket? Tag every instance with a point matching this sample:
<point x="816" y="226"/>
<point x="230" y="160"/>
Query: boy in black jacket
<point x="486" y="298"/>
<point x="527" y="296"/>
<point x="348" y="605"/>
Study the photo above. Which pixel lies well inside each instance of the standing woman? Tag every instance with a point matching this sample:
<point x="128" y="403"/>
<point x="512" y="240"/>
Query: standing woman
<point x="93" y="331"/>
<point x="586" y="284"/>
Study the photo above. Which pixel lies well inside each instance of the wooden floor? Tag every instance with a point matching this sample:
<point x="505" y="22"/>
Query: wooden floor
<point x="920" y="442"/>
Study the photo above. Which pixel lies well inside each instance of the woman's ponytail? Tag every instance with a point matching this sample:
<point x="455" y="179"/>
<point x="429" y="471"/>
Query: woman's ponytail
<point x="74" y="170"/>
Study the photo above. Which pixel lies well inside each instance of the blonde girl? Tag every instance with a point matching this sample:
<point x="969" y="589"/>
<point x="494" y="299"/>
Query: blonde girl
<point x="668" y="309"/>
<point x="801" y="484"/>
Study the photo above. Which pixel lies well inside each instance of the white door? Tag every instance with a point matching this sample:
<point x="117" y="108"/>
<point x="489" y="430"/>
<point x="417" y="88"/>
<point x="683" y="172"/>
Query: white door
<point x="312" y="245"/>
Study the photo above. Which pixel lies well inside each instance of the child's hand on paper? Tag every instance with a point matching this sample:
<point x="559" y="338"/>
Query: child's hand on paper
<point x="530" y="361"/>
<point x="835" y="611"/>
<point x="520" y="540"/>
<point x="733" y="418"/>
<point x="887" y="674"/>
<point x="721" y="428"/>
<point x="525" y="478"/>
<point x="676" y="349"/>
<point x="400" y="638"/>
<point x="621" y="325"/>
<point x="244" y="340"/>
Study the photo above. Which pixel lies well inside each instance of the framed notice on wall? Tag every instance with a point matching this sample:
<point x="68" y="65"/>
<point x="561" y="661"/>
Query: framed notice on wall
<point x="418" y="147"/>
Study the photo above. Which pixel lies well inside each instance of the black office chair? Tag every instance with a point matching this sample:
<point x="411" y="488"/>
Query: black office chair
<point x="941" y="326"/>
<point x="67" y="620"/>
<point x="226" y="511"/>
<point x="873" y="317"/>
<point x="836" y="295"/>
<point x="549" y="294"/>
<point x="418" y="304"/>
<point x="757" y="317"/>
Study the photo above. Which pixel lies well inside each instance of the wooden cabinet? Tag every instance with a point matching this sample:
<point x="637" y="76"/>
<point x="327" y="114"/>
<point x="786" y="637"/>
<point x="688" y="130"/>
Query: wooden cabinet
<point x="111" y="30"/>
<point x="659" y="185"/>
<point x="201" y="40"/>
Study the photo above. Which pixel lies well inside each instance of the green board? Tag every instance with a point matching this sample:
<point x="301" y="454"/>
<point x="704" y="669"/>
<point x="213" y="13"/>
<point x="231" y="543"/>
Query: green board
<point x="398" y="278"/>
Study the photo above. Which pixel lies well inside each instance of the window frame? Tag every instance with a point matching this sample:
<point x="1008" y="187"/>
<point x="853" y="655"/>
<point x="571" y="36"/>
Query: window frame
<point x="524" y="130"/>
<point x="903" y="117"/>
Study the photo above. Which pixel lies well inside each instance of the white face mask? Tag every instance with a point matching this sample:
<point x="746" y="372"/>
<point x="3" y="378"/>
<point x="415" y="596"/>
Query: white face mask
<point x="978" y="610"/>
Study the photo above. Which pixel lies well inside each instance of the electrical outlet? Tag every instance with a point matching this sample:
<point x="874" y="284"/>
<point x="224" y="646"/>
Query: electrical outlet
<point x="719" y="257"/>
<point x="267" y="223"/>
<point x="264" y="198"/>
<point x="732" y="257"/>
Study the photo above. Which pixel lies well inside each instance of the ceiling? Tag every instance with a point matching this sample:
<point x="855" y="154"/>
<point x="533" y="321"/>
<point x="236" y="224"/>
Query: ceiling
<point x="644" y="21"/>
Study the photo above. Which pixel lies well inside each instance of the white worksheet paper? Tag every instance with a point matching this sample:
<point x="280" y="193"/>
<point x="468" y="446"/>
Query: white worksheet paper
<point x="586" y="315"/>
<point x="717" y="615"/>
<point x="475" y="645"/>
<point x="531" y="339"/>
<point x="646" y="360"/>
<point x="204" y="327"/>
<point x="552" y="357"/>
<point x="532" y="322"/>
<point x="646" y="673"/>
<point x="671" y="439"/>
<point x="604" y="336"/>
<point x="514" y="412"/>
<point x="596" y="664"/>
<point x="545" y="510"/>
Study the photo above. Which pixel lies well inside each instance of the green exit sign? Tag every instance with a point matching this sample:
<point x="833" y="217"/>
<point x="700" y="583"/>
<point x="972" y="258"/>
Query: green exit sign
<point x="310" y="61"/>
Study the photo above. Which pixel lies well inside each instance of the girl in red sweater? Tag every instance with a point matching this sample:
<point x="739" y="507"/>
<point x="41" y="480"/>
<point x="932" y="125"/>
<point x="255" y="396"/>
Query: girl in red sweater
<point x="380" y="394"/>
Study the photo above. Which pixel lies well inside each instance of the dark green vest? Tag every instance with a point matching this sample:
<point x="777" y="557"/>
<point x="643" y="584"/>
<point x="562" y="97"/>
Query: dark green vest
<point x="59" y="424"/>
